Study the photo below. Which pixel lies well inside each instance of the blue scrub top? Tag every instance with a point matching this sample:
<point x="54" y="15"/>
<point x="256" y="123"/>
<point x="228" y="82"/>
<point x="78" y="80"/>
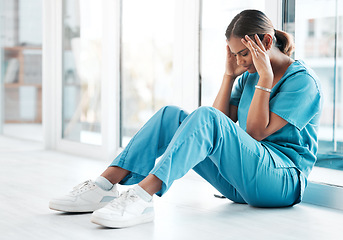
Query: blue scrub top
<point x="297" y="98"/>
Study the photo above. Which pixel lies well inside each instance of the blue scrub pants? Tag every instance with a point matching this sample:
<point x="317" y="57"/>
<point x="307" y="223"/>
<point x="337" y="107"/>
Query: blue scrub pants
<point x="217" y="149"/>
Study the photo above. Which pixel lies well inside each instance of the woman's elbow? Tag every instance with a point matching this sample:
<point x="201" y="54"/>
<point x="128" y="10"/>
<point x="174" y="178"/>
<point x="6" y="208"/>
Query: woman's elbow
<point x="255" y="133"/>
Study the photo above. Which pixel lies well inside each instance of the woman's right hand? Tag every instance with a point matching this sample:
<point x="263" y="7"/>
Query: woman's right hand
<point x="232" y="69"/>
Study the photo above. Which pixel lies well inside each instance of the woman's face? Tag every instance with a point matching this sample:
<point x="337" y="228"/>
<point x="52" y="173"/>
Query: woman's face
<point x="242" y="54"/>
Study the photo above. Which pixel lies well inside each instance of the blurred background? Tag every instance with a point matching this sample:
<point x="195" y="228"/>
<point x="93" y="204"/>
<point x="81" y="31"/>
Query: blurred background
<point x="150" y="48"/>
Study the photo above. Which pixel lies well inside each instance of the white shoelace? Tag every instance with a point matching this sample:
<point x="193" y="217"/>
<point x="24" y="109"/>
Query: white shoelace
<point x="82" y="187"/>
<point x="124" y="199"/>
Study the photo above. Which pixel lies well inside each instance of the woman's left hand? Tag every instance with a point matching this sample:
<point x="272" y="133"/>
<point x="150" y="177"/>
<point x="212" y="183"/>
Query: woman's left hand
<point x="259" y="56"/>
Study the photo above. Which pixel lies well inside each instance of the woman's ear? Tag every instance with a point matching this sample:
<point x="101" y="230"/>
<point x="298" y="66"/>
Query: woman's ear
<point x="267" y="41"/>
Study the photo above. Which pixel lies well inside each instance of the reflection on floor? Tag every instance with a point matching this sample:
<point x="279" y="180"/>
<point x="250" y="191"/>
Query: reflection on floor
<point x="28" y="131"/>
<point x="30" y="176"/>
<point x="330" y="160"/>
<point x="327" y="157"/>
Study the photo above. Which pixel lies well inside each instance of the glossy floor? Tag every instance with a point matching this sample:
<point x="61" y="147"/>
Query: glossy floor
<point x="30" y="176"/>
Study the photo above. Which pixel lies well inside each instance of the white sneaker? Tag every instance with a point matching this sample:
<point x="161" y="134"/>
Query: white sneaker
<point x="85" y="197"/>
<point x="125" y="211"/>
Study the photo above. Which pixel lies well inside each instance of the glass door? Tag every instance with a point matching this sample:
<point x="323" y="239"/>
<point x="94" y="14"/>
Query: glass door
<point x="147" y="47"/>
<point x="319" y="42"/>
<point x="81" y="65"/>
<point x="82" y="68"/>
<point x="21" y="69"/>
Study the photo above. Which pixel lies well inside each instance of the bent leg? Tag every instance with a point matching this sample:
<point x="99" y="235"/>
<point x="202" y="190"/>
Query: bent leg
<point x="241" y="160"/>
<point x="149" y="143"/>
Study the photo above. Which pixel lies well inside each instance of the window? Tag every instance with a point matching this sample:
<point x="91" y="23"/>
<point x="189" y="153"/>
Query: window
<point x="146" y="62"/>
<point x="21" y="68"/>
<point x="82" y="69"/>
<point x="319" y="42"/>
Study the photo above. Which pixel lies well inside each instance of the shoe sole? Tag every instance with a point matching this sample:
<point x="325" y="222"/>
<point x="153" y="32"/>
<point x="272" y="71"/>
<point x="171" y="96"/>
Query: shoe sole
<point x="122" y="224"/>
<point x="76" y="209"/>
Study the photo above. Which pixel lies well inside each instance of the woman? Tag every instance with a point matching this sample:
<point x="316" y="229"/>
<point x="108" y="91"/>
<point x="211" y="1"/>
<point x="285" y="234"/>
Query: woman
<point x="264" y="161"/>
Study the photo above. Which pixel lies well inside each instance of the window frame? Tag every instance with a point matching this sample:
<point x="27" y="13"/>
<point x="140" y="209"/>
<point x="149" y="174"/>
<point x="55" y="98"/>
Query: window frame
<point x="52" y="83"/>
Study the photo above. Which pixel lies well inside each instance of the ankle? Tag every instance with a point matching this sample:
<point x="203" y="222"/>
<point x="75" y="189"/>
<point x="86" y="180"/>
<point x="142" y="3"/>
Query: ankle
<point x="104" y="183"/>
<point x="151" y="184"/>
<point x="115" y="174"/>
<point x="142" y="193"/>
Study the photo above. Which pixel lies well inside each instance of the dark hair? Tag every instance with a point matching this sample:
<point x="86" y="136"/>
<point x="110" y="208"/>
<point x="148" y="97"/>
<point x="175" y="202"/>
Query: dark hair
<point x="250" y="22"/>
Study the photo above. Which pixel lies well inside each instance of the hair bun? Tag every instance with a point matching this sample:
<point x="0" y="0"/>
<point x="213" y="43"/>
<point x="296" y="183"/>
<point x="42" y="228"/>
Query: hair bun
<point x="284" y="41"/>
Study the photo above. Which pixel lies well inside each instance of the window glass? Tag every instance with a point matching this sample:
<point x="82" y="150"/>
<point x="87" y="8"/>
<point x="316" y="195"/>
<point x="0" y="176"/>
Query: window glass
<point x="318" y="40"/>
<point x="339" y="76"/>
<point x="82" y="66"/>
<point x="146" y="61"/>
<point x="21" y="67"/>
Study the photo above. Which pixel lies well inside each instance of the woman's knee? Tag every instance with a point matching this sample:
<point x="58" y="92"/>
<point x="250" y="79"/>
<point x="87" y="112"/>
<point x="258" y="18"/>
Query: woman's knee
<point x="173" y="113"/>
<point x="212" y="113"/>
<point x="171" y="110"/>
<point x="205" y="110"/>
<point x="204" y="113"/>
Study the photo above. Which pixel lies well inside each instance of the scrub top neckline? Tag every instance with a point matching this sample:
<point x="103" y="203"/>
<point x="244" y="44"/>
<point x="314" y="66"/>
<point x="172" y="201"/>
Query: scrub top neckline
<point x="290" y="67"/>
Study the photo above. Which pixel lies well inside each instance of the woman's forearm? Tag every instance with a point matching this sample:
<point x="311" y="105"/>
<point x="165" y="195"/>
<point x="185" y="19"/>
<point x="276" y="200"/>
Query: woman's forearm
<point x="222" y="101"/>
<point x="259" y="115"/>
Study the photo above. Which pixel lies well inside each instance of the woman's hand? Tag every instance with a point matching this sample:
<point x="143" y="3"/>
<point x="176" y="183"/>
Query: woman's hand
<point x="259" y="56"/>
<point x="232" y="69"/>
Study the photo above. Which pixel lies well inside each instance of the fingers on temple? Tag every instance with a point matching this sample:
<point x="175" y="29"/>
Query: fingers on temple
<point x="259" y="42"/>
<point x="228" y="51"/>
<point x="253" y="45"/>
<point x="246" y="43"/>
